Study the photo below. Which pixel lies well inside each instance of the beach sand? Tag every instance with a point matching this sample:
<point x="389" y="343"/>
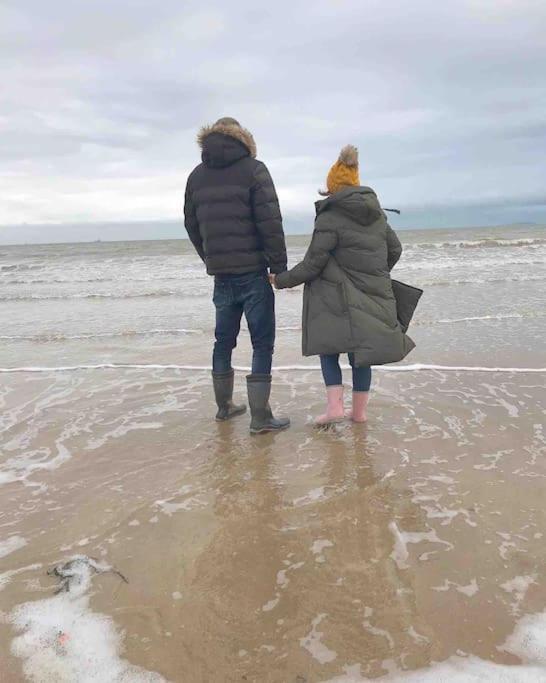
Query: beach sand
<point x="388" y="545"/>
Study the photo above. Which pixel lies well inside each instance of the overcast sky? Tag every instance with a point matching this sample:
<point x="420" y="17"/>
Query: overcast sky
<point x="101" y="102"/>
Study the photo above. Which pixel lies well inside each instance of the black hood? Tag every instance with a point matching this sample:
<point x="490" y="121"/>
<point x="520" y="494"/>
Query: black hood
<point x="221" y="150"/>
<point x="359" y="203"/>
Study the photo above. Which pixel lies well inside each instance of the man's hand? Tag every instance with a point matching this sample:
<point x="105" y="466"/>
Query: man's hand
<point x="273" y="279"/>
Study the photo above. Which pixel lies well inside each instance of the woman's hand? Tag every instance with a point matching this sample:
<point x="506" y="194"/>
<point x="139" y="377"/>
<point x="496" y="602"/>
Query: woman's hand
<point x="273" y="280"/>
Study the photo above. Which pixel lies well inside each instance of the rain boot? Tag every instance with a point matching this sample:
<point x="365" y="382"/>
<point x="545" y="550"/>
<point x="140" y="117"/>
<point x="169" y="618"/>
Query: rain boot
<point x="223" y="392"/>
<point x="259" y="390"/>
<point x="334" y="410"/>
<point x="360" y="404"/>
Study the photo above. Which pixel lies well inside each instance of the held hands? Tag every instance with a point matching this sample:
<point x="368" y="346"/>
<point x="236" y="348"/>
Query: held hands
<point x="273" y="280"/>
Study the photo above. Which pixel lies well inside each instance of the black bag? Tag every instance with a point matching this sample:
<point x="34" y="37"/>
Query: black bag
<point x="407" y="298"/>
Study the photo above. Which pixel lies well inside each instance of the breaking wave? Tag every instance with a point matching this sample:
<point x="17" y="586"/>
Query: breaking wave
<point x="98" y="335"/>
<point x="98" y="280"/>
<point x="160" y="293"/>
<point x="16" y="267"/>
<point x="478" y="318"/>
<point x="483" y="281"/>
<point x="477" y="244"/>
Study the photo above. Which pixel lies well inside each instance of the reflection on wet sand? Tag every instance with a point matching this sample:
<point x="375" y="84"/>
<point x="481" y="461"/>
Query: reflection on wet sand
<point x="287" y="557"/>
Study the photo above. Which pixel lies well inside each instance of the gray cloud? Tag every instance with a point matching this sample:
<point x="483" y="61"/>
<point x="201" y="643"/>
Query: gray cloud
<point x="101" y="103"/>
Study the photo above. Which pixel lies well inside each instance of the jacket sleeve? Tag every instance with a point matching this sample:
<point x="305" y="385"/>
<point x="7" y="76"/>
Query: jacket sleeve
<point x="323" y="243"/>
<point x="394" y="248"/>
<point x="268" y="219"/>
<point x="191" y="223"/>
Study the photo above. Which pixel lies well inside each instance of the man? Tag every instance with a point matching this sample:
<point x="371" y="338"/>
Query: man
<point x="233" y="219"/>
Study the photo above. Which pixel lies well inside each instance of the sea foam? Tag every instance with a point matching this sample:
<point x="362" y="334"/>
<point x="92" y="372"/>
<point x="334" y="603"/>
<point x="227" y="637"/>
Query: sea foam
<point x="528" y="642"/>
<point x="61" y="639"/>
<point x="477" y="244"/>
<point x="11" y="544"/>
<point x="415" y="367"/>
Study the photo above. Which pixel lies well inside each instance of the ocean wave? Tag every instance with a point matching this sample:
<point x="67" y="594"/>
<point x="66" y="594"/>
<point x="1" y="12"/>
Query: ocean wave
<point x="482" y="281"/>
<point x="477" y="318"/>
<point x="446" y="321"/>
<point x="60" y="337"/>
<point x="476" y="244"/>
<point x="424" y="281"/>
<point x="182" y="293"/>
<point x="122" y="279"/>
<point x="415" y="367"/>
<point x="54" y="337"/>
<point x="433" y="263"/>
<point x="11" y="267"/>
<point x="182" y="331"/>
<point x="500" y="316"/>
<point x="106" y="295"/>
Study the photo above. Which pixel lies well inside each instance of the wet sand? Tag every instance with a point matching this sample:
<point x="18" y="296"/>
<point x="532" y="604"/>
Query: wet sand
<point x="302" y="556"/>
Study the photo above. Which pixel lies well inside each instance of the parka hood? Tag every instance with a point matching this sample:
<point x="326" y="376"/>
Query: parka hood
<point x="223" y="144"/>
<point x="359" y="203"/>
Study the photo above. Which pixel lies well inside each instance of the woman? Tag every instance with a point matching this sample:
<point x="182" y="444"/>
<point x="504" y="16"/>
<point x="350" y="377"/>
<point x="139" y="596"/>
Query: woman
<point x="348" y="304"/>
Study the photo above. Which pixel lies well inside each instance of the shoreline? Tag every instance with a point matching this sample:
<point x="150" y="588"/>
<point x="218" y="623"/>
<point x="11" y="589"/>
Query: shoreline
<point x="412" y="367"/>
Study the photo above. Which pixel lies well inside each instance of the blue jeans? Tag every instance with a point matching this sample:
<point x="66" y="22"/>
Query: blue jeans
<point x="362" y="377"/>
<point x="252" y="295"/>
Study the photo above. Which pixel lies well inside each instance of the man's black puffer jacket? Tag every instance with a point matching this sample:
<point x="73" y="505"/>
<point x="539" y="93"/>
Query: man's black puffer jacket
<point x="231" y="208"/>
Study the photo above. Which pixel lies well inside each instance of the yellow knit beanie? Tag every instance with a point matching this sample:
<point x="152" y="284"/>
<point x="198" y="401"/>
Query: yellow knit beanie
<point x="345" y="171"/>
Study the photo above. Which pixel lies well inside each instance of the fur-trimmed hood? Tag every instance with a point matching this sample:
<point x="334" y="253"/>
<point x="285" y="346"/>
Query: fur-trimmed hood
<point x="234" y="131"/>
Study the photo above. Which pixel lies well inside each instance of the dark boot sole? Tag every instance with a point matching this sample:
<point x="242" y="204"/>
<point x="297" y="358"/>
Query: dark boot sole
<point x="236" y="413"/>
<point x="268" y="430"/>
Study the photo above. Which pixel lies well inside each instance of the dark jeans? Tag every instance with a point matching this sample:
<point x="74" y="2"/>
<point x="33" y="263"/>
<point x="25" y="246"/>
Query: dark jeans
<point x="252" y="295"/>
<point x="362" y="377"/>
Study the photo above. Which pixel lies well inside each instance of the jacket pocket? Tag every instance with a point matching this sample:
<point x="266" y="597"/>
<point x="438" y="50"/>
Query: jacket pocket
<point x="221" y="295"/>
<point x="334" y="297"/>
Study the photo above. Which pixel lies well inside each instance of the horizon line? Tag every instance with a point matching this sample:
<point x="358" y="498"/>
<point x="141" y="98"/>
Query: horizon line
<point x="292" y="234"/>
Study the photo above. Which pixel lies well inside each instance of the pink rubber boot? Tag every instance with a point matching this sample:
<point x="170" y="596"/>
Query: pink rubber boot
<point x="360" y="404"/>
<point x="334" y="411"/>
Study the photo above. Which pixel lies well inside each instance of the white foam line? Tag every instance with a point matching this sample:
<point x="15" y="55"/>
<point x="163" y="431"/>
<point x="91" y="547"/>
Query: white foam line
<point x="416" y="367"/>
<point x="11" y="545"/>
<point x="526" y="642"/>
<point x="61" y="639"/>
<point x="501" y="316"/>
<point x="99" y="335"/>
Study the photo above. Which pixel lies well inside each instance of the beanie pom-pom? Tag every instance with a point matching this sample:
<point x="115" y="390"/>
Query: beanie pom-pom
<point x="349" y="156"/>
<point x="344" y="173"/>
